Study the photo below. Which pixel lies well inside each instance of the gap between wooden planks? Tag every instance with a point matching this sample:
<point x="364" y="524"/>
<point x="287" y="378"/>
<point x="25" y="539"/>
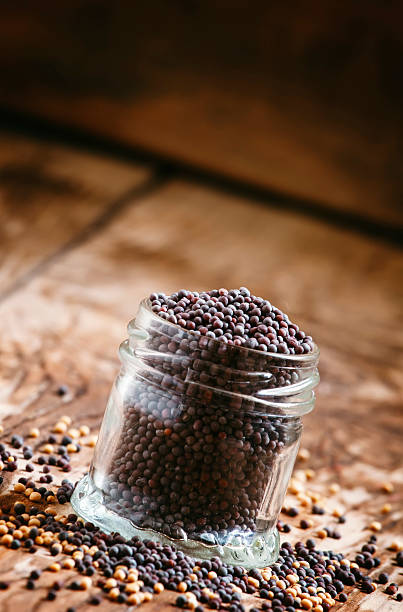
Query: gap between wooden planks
<point x="64" y="325"/>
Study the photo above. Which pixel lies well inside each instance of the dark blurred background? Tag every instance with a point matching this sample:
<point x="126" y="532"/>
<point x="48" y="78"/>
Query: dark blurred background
<point x="303" y="99"/>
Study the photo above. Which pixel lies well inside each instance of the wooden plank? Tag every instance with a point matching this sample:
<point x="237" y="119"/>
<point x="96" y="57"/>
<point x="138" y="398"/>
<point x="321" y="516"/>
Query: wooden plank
<point x="301" y="101"/>
<point x="65" y="325"/>
<point x="48" y="195"/>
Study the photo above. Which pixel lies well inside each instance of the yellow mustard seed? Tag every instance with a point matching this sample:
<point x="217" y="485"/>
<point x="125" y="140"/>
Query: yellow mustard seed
<point x="92" y="441"/>
<point x="84" y="430"/>
<point x="66" y="419"/>
<point x="387" y="487"/>
<point x="60" y="427"/>
<point x="119" y="574"/>
<point x="111" y="583"/>
<point x="292" y="578"/>
<point x="304" y="454"/>
<point x="375" y="526"/>
<point x="114" y="593"/>
<point x="6" y="539"/>
<point x="35" y="496"/>
<point x="85" y="583"/>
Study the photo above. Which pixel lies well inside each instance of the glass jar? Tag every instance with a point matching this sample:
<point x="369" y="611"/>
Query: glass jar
<point x="198" y="442"/>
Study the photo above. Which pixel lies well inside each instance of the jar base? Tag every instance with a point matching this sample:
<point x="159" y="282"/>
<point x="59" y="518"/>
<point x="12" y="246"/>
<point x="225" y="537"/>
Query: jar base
<point x="87" y="501"/>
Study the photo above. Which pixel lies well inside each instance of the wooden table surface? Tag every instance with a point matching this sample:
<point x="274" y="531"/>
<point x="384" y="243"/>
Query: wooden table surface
<point x="84" y="236"/>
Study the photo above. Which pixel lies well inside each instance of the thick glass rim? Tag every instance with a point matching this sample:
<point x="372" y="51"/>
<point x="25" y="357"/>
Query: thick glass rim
<point x="312" y="357"/>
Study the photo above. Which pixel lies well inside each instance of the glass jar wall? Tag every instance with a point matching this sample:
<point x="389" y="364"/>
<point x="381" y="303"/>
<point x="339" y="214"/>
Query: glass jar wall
<point x="198" y="442"/>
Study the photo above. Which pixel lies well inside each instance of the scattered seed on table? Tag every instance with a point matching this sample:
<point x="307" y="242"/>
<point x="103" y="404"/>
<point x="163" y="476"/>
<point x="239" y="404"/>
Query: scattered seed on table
<point x="375" y="526"/>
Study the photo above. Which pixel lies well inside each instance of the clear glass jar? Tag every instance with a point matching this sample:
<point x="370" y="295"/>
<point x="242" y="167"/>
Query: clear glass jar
<point x="198" y="442"/>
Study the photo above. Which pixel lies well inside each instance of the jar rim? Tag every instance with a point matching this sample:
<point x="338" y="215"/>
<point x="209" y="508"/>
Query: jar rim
<point x="308" y="358"/>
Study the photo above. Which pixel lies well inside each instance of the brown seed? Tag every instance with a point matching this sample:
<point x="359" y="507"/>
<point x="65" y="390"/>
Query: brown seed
<point x="19" y="487"/>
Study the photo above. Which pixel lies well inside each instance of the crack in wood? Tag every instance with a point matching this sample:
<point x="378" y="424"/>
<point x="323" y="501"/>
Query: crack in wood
<point x="130" y="196"/>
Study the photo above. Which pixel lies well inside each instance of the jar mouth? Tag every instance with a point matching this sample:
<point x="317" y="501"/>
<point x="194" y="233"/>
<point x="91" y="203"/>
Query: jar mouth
<point x="280" y="384"/>
<point x="307" y="359"/>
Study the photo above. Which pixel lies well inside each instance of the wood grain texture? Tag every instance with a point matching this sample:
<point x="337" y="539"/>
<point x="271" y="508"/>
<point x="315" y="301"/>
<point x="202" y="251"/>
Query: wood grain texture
<point x="64" y="326"/>
<point x="48" y="195"/>
<point x="301" y="99"/>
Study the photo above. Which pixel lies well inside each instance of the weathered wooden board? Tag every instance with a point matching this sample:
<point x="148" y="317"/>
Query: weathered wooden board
<point x="304" y="100"/>
<point x="49" y="195"/>
<point x="64" y="326"/>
